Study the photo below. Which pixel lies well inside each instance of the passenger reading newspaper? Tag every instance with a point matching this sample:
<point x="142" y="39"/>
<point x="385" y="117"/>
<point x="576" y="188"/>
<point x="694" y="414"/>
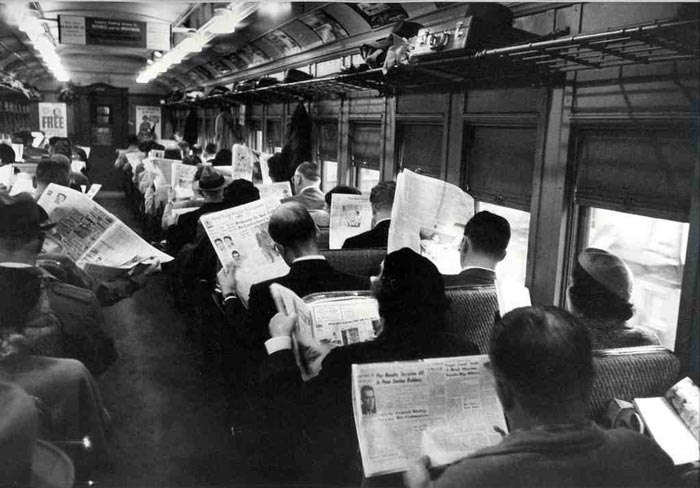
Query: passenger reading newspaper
<point x="442" y="408"/>
<point x="327" y="320"/>
<point x="240" y="238"/>
<point x="350" y="215"/>
<point x="94" y="238"/>
<point x="429" y="216"/>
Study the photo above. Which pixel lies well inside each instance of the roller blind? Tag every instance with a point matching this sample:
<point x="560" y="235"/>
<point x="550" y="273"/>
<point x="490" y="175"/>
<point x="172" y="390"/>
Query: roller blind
<point x="500" y="161"/>
<point x="366" y="145"/>
<point x="642" y="171"/>
<point x="421" y="148"/>
<point x="328" y="141"/>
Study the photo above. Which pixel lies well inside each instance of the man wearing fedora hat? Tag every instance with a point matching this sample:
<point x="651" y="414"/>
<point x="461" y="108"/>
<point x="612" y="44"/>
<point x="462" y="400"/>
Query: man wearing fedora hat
<point x="81" y="334"/>
<point x="24" y="459"/>
<point x="210" y="184"/>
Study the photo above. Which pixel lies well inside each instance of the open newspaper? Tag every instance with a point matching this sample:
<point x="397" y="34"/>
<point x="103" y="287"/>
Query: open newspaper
<point x="326" y="320"/>
<point x="241" y="239"/>
<point x="443" y="408"/>
<point x="93" y="190"/>
<point x="350" y="215"/>
<point x="134" y="158"/>
<point x="19" y="152"/>
<point x="7" y="175"/>
<point x="278" y="190"/>
<point x="242" y="159"/>
<point x="182" y="177"/>
<point x="162" y="169"/>
<point x="77" y="165"/>
<point x="23" y="183"/>
<point x="674" y="421"/>
<point x="95" y="239"/>
<point x="429" y="216"/>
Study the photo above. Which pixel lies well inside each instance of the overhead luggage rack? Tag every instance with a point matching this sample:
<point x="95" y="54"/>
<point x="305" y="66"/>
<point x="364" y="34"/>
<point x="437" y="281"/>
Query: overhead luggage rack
<point x="544" y="62"/>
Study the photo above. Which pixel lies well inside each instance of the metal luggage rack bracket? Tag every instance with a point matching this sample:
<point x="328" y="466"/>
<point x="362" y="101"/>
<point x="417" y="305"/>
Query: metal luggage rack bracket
<point x="543" y="62"/>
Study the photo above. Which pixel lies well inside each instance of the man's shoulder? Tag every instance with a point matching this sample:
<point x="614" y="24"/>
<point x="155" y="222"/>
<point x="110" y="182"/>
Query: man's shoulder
<point x="471" y="276"/>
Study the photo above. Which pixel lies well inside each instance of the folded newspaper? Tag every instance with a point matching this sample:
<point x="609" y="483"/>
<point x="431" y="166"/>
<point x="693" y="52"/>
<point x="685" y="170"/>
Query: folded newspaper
<point x="327" y="320"/>
<point x="279" y="190"/>
<point x="429" y="216"/>
<point x="91" y="236"/>
<point x="350" y="215"/>
<point x="443" y="408"/>
<point x="241" y="239"/>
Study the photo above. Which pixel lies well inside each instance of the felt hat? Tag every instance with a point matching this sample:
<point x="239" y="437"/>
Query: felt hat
<point x="608" y="270"/>
<point x="21" y="216"/>
<point x="209" y="180"/>
<point x="25" y="460"/>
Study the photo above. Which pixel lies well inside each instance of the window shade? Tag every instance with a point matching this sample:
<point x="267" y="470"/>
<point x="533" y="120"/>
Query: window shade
<point x="366" y="145"/>
<point x="421" y="148"/>
<point x="328" y="141"/>
<point x="643" y="171"/>
<point x="500" y="164"/>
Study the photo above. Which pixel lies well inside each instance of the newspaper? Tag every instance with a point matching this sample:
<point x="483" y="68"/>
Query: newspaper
<point x="327" y="320"/>
<point x="350" y="215"/>
<point x="76" y="165"/>
<point x="7" y="175"/>
<point x="156" y="153"/>
<point x="89" y="235"/>
<point x="242" y="159"/>
<point x="241" y="239"/>
<point x="182" y="177"/>
<point x="429" y="216"/>
<point x="162" y="169"/>
<point x="86" y="149"/>
<point x="444" y="408"/>
<point x="23" y="183"/>
<point x="265" y="168"/>
<point x="92" y="191"/>
<point x="135" y="158"/>
<point x="279" y="190"/>
<point x="19" y="151"/>
<point x="28" y="168"/>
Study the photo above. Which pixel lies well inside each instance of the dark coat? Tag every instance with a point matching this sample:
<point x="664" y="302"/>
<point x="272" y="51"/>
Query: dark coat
<point x="376" y="237"/>
<point x="471" y="276"/>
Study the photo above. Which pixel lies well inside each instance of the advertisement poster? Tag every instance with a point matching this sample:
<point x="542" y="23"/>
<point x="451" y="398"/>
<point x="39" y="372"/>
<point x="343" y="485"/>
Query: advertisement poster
<point x="113" y="32"/>
<point x="148" y="120"/>
<point x="53" y="120"/>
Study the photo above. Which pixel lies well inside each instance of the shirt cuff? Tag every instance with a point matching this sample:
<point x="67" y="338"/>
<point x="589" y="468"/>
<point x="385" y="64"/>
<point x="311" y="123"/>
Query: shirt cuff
<point x="279" y="343"/>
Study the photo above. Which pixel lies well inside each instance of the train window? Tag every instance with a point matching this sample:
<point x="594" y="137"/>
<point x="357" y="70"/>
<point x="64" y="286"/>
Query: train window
<point x="420" y="148"/>
<point x="655" y="251"/>
<point x="327" y="144"/>
<point x="274" y="134"/>
<point x="514" y="266"/>
<point x="365" y="154"/>
<point x="255" y="135"/>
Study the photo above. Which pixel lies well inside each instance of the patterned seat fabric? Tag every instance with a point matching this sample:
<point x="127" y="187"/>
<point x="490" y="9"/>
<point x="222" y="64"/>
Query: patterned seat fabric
<point x="471" y="313"/>
<point x="629" y="373"/>
<point x="359" y="262"/>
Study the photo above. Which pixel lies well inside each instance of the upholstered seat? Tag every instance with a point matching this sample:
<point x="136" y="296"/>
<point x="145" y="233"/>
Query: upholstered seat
<point x="631" y="372"/>
<point x="360" y="262"/>
<point x="471" y="313"/>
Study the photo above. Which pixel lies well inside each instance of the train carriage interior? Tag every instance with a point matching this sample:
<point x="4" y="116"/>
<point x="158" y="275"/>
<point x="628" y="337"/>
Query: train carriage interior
<point x="349" y="244"/>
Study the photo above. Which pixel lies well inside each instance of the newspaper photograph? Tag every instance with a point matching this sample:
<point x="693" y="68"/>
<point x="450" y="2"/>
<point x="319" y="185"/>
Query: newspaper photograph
<point x="444" y="408"/>
<point x="429" y="216"/>
<point x="87" y="233"/>
<point x="240" y="238"/>
<point x="242" y="159"/>
<point x="278" y="190"/>
<point x="350" y="215"/>
<point x="182" y="177"/>
<point x="327" y="320"/>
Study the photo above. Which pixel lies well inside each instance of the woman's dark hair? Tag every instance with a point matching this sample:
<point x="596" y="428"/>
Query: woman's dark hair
<point x="343" y="190"/>
<point x="240" y="192"/>
<point x="593" y="300"/>
<point x="19" y="293"/>
<point x="544" y="353"/>
<point x="278" y="169"/>
<point x="172" y="154"/>
<point x="223" y="158"/>
<point x="411" y="297"/>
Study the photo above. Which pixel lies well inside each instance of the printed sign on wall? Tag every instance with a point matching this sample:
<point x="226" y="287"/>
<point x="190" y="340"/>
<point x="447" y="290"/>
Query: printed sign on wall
<point x="148" y="120"/>
<point x="113" y="32"/>
<point x="53" y="120"/>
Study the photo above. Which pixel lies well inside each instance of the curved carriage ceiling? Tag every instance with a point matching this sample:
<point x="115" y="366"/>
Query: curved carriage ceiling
<point x="257" y="46"/>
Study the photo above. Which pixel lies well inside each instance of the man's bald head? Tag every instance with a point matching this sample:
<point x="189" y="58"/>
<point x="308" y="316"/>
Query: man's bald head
<point x="291" y="226"/>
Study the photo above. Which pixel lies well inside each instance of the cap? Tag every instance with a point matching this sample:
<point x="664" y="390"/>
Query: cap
<point x="27" y="461"/>
<point x="209" y="180"/>
<point x="608" y="270"/>
<point x="21" y="216"/>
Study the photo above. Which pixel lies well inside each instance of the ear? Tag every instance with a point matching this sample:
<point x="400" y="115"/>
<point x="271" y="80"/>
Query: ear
<point x="502" y="256"/>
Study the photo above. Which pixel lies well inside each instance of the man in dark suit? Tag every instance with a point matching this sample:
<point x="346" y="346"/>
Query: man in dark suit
<point x="306" y="184"/>
<point x="211" y="185"/>
<point x="294" y="233"/>
<point x="484" y="244"/>
<point x="382" y="200"/>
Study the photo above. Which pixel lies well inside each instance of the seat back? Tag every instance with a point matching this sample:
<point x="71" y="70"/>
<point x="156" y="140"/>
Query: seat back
<point x="629" y="373"/>
<point x="471" y="313"/>
<point x="360" y="262"/>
